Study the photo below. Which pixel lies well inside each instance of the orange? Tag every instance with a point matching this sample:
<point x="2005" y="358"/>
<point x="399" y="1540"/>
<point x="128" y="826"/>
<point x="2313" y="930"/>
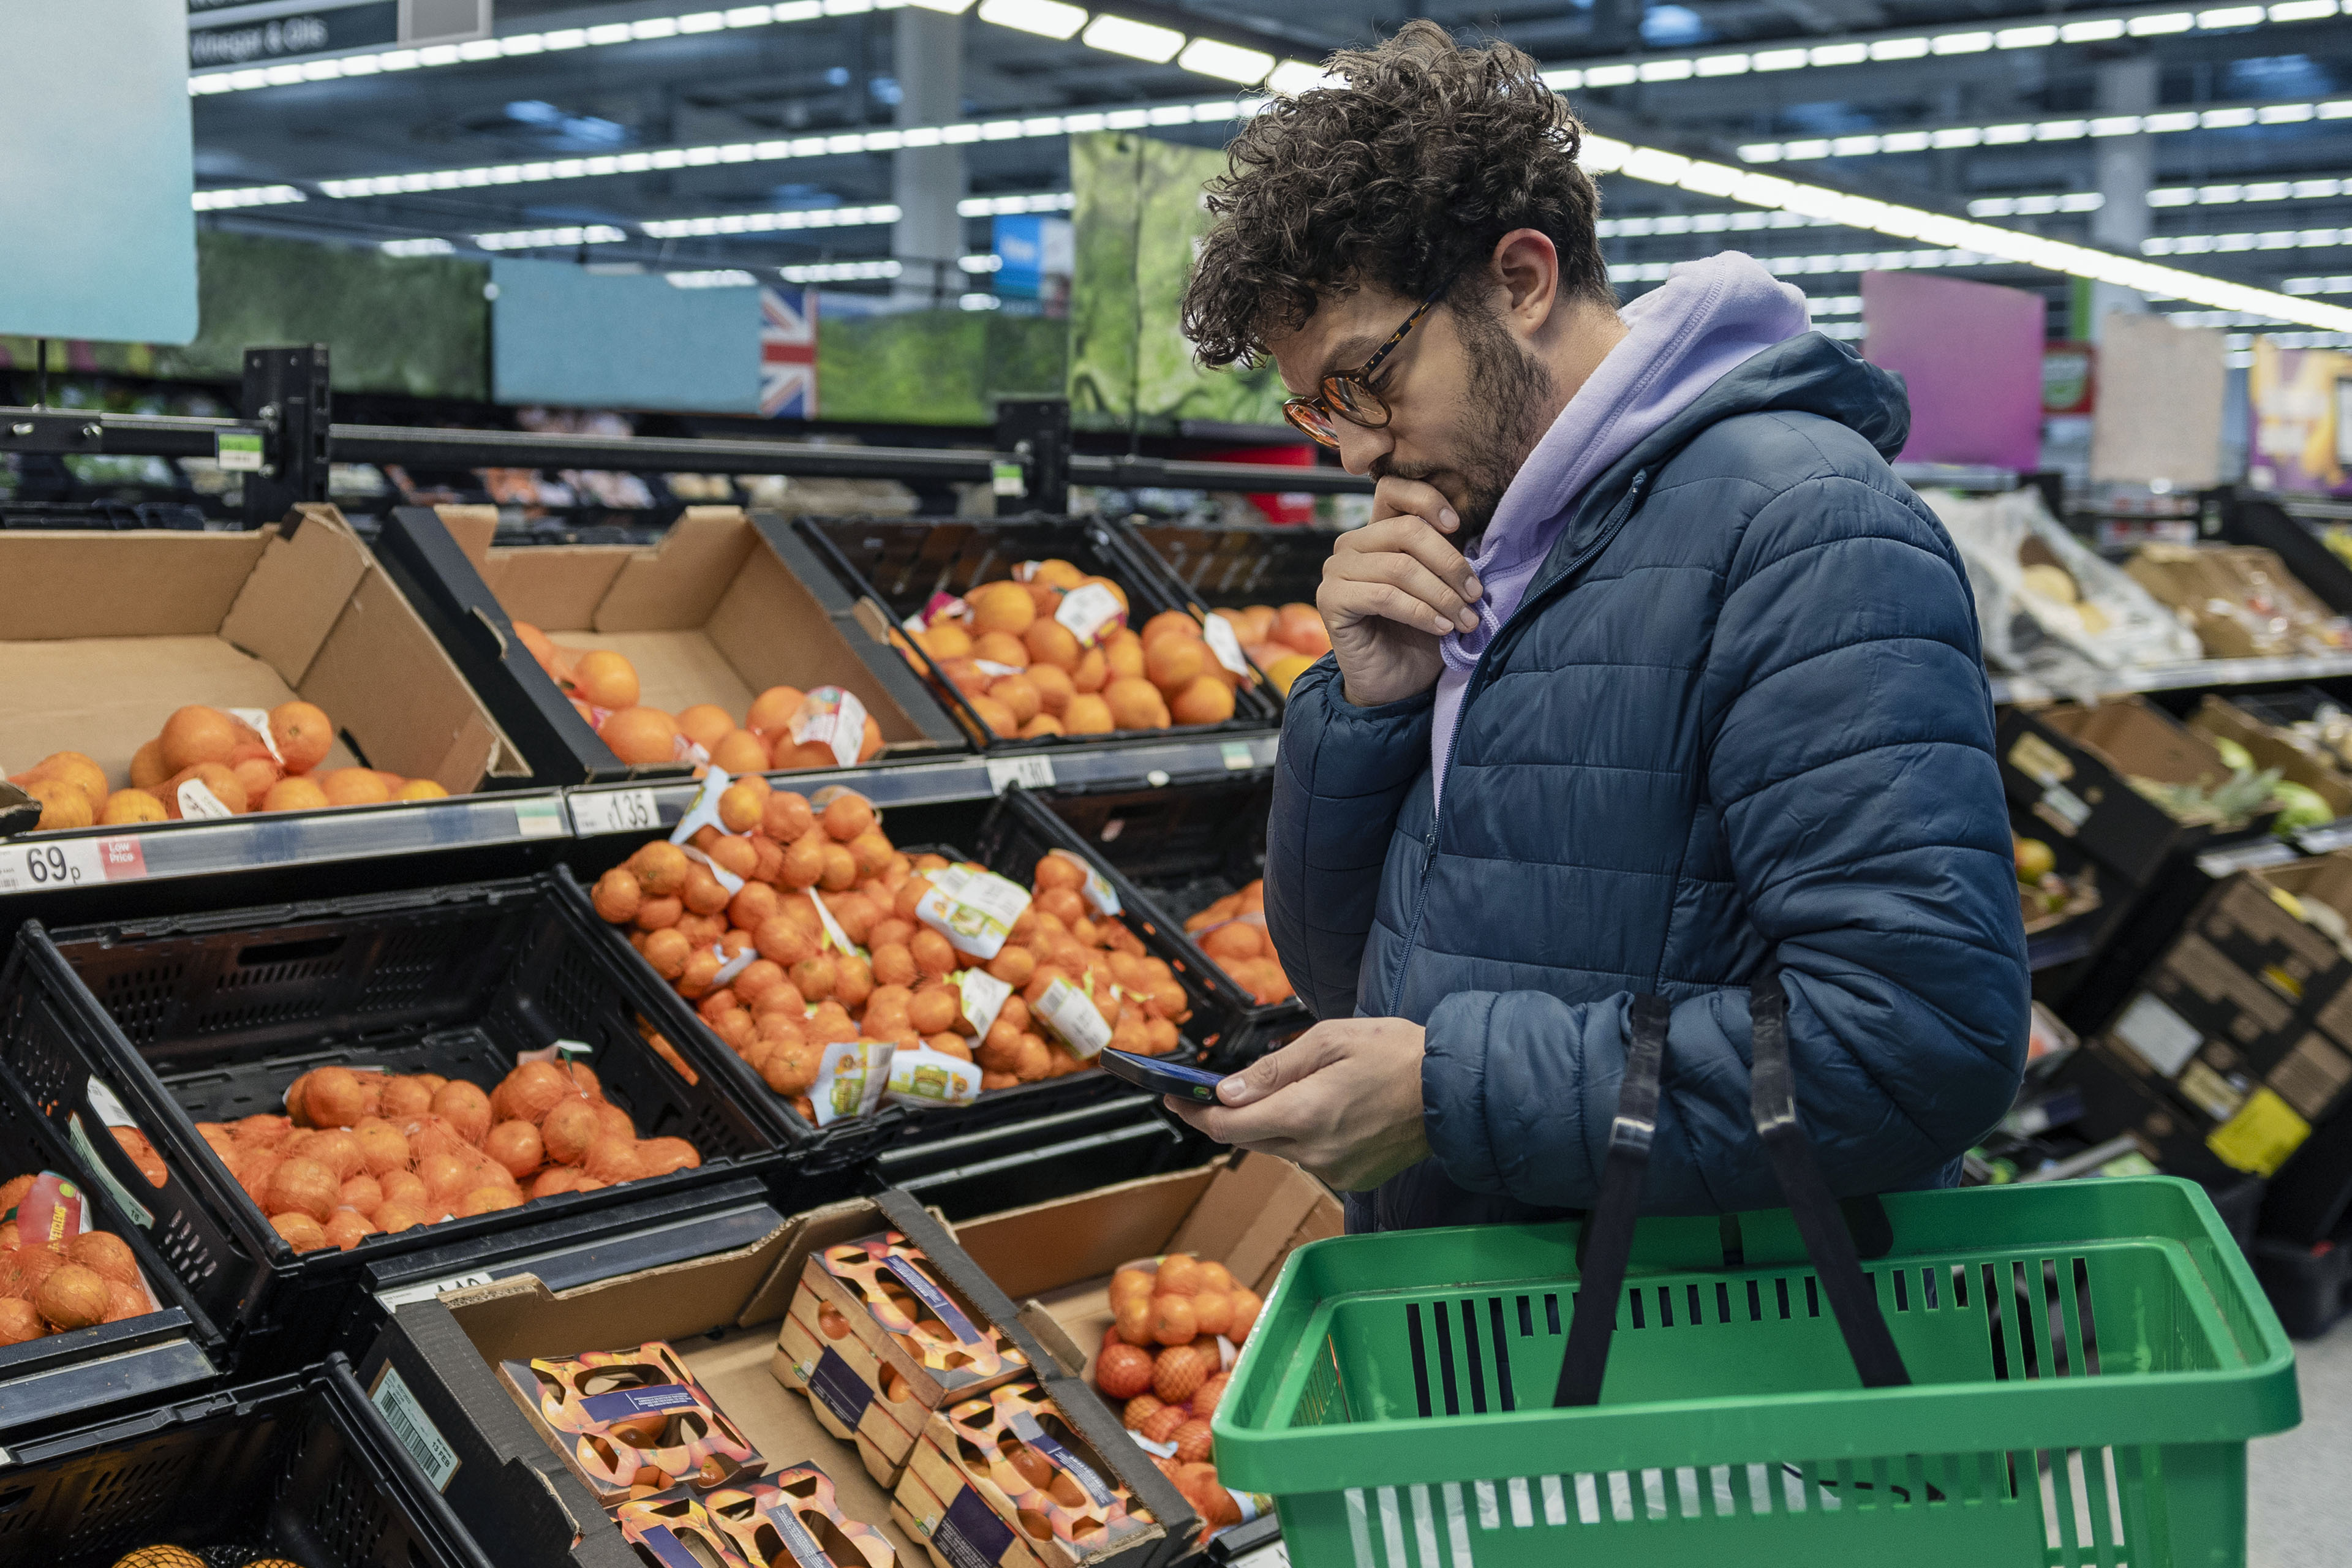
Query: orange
<point x="1050" y="642"/>
<point x="869" y="740"/>
<point x="606" y="679"/>
<point x="63" y="805"/>
<point x="256" y="774"/>
<point x="705" y="723"/>
<point x="132" y="806"/>
<point x="353" y="787"/>
<point x="1302" y="628"/>
<point x="1207" y="700"/>
<point x="946" y="641"/>
<point x="1136" y="704"/>
<point x="303" y="733"/>
<point x="197" y="734"/>
<point x="1054" y="688"/>
<point x="295" y="795"/>
<point x="220" y="781"/>
<point x="995" y="715"/>
<point x="773" y="709"/>
<point x="807" y="755"/>
<point x="147" y="767"/>
<point x="641" y="735"/>
<point x="542" y="649"/>
<point x="1123" y="654"/>
<point x="420" y="789"/>
<point x="1002" y="606"/>
<point x="1116" y="591"/>
<point x="1092" y="673"/>
<point x="1088" y="714"/>
<point x="75" y="768"/>
<point x="1019" y="695"/>
<point x="1045" y="596"/>
<point x="1057" y="572"/>
<point x="1043" y="724"/>
<point x="1165" y="622"/>
<point x="1175" y="660"/>
<point x="966" y="676"/>
<point x="740" y="752"/>
<point x="1001" y="647"/>
<point x="1288" y="669"/>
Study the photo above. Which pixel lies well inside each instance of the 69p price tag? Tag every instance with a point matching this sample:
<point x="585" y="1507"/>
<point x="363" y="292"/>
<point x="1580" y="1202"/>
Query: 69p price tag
<point x="69" y="863"/>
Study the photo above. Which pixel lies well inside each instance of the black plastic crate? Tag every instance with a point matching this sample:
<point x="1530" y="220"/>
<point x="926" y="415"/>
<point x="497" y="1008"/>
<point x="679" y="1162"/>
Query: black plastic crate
<point x="1171" y="854"/>
<point x="1227" y="568"/>
<point x="70" y="1377"/>
<point x="900" y="564"/>
<point x="212" y="1016"/>
<point x="298" y="1468"/>
<point x="2310" y="1287"/>
<point x="2284" y="709"/>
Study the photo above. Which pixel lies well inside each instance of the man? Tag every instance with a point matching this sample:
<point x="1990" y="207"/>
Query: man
<point x="1648" y="673"/>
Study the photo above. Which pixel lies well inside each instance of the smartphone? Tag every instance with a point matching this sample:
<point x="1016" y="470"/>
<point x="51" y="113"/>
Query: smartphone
<point x="1163" y="1077"/>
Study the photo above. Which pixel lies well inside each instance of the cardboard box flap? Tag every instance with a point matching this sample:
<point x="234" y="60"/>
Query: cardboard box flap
<point x="145" y="585"/>
<point x="2135" y="737"/>
<point x="297" y="592"/>
<point x="2269" y="749"/>
<point x="555" y="587"/>
<point x="1252" y="1215"/>
<point x="473" y="526"/>
<point x="771" y="627"/>
<point x="383" y="677"/>
<point x="1043" y="1247"/>
<point x="679" y="582"/>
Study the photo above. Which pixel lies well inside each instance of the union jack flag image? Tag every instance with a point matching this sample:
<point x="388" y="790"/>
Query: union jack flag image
<point x="787" y="354"/>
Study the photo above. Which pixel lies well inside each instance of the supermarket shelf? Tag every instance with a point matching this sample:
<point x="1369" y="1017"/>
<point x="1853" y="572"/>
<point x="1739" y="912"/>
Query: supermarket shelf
<point x="2187" y="677"/>
<point x="63" y="862"/>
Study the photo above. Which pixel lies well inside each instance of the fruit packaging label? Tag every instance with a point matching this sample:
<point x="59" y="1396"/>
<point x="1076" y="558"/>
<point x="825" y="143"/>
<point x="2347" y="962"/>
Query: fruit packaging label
<point x="925" y="1080"/>
<point x="1099" y="895"/>
<point x="1072" y="1015"/>
<point x="972" y="907"/>
<point x="1219" y="634"/>
<point x="832" y="931"/>
<point x="851" y="1080"/>
<point x="1092" y="613"/>
<point x="1024" y="1426"/>
<point x="981" y="997"/>
<point x="831" y="717"/>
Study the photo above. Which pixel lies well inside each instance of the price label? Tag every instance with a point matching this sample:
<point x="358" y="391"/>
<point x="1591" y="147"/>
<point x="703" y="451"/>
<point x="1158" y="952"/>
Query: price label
<point x="1092" y="613"/>
<point x="237" y="451"/>
<point x="1030" y="773"/>
<point x="69" y="863"/>
<point x="1236" y="755"/>
<point x="1224" y="644"/>
<point x="614" y="811"/>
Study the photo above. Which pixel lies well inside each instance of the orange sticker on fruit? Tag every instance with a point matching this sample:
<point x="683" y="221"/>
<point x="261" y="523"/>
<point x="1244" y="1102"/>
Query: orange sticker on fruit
<point x="1071" y="1014"/>
<point x="831" y="717"/>
<point x="973" y="908"/>
<point x="1092" y="613"/>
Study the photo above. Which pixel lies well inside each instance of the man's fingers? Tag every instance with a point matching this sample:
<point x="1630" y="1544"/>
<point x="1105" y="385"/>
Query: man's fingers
<point x="1409" y="536"/>
<point x="1392" y="496"/>
<point x="1408" y="572"/>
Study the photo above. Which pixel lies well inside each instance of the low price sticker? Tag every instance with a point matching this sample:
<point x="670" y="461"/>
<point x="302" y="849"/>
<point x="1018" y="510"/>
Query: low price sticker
<point x="69" y="863"/>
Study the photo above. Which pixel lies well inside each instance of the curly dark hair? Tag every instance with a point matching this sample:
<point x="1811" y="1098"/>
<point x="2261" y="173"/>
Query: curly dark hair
<point x="1428" y="156"/>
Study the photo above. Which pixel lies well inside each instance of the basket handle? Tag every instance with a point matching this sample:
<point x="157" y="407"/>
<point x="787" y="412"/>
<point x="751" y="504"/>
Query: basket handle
<point x="1607" y="1242"/>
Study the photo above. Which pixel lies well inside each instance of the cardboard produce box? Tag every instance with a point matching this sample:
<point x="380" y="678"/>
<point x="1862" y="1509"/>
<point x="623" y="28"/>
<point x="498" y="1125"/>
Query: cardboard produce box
<point x="108" y="633"/>
<point x="724" y="608"/>
<point x="432" y="1376"/>
<point x="1001" y="1480"/>
<point x="2070" y="766"/>
<point x="2245" y="1023"/>
<point x="2242" y="602"/>
<point x="2310" y="766"/>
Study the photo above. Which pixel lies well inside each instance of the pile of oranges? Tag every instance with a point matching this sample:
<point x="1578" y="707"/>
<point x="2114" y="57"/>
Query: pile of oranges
<point x="230" y="759"/>
<point x="1232" y="933"/>
<point x="886" y="975"/>
<point x="1027" y="672"/>
<point x="1161" y="1364"/>
<point x="49" y="1285"/>
<point x="368" y="1153"/>
<point x="604" y="689"/>
<point x="1282" y="642"/>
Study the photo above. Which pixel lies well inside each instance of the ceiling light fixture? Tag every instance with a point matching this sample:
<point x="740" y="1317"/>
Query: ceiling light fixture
<point x="1049" y="18"/>
<point x="1137" y="40"/>
<point x="768" y="223"/>
<point x="2018" y="132"/>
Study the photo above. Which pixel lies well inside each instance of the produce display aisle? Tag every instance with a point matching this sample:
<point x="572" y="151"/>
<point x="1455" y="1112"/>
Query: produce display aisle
<point x="618" y="1172"/>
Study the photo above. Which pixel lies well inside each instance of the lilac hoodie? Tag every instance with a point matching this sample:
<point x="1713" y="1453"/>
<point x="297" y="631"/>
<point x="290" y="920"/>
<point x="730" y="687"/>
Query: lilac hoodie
<point x="1708" y="319"/>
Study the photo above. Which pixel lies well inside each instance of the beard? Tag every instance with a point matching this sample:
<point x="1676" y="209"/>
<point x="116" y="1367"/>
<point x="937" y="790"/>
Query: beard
<point x="1510" y="401"/>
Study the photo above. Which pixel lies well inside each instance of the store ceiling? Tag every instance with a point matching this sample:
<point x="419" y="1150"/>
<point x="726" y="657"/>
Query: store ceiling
<point x="2254" y="201"/>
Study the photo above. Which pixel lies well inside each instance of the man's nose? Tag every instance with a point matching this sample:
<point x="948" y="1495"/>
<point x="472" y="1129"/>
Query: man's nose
<point x="1361" y="447"/>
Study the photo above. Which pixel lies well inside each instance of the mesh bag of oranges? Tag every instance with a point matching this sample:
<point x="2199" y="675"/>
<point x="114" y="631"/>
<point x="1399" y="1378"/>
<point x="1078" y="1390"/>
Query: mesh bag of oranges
<point x="1048" y="652"/>
<point x="1282" y="642"/>
<point x="210" y="762"/>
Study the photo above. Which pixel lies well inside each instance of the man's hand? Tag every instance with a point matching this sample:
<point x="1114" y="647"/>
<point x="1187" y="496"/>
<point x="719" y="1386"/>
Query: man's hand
<point x="1391" y="589"/>
<point x="1342" y="1100"/>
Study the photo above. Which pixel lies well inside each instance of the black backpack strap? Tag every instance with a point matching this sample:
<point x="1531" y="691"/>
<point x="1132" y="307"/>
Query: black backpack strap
<point x="1606" y="1242"/>
<point x="1828" y="1242"/>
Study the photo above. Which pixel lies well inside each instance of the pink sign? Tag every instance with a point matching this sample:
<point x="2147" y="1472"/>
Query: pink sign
<point x="1971" y="355"/>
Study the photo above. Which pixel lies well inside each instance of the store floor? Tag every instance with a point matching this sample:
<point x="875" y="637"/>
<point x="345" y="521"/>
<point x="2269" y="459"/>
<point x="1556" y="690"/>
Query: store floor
<point x="2301" y="1509"/>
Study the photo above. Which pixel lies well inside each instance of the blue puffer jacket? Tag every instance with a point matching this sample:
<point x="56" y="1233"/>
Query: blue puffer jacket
<point x="1740" y="715"/>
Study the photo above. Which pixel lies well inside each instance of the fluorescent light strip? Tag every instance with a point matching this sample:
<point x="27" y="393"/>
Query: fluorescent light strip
<point x="2231" y="243"/>
<point x="995" y="206"/>
<point x="1835" y="264"/>
<point x="722" y="277"/>
<point x="1702" y="223"/>
<point x="245" y="196"/>
<point x="418" y="247"/>
<point x="2165" y="196"/>
<point x="1649" y="67"/>
<point x="537" y="239"/>
<point x="2338" y="283"/>
<point x="1215" y="112"/>
<point x="764" y="223"/>
<point x="2040" y="205"/>
<point x="1053" y="18"/>
<point x="840" y="272"/>
<point x="2021" y="132"/>
<point x="1604" y="155"/>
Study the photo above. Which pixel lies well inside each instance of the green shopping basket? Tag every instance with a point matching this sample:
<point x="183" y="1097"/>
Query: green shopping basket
<point x="2060" y="1375"/>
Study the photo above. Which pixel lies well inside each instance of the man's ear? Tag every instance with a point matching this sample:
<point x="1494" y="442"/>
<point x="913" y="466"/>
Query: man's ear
<point x="1527" y="266"/>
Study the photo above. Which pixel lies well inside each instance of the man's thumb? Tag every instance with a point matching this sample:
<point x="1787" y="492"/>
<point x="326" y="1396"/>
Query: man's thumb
<point x="1268" y="1073"/>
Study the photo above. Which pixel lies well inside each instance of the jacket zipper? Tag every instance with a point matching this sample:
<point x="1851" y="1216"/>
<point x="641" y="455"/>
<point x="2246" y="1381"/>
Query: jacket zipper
<point x="1608" y="530"/>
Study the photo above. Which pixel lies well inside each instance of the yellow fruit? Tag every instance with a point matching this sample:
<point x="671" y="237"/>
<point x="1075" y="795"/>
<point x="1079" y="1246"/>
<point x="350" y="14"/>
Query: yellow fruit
<point x="2035" y="860"/>
<point x="1288" y="669"/>
<point x="420" y="789"/>
<point x="63" y="804"/>
<point x="132" y="806"/>
<point x="1207" y="700"/>
<point x="1136" y="704"/>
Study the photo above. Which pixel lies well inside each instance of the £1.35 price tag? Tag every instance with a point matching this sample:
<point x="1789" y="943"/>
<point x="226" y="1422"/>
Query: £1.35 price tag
<point x="613" y="811"/>
<point x="69" y="863"/>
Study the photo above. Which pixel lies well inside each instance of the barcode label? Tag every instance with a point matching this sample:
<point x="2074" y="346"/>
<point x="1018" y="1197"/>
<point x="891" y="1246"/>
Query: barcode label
<point x="616" y="811"/>
<point x="1029" y="772"/>
<point x="415" y="1432"/>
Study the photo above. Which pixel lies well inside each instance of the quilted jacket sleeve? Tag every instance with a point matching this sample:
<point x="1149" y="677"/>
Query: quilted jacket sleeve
<point x="1340" y="776"/>
<point x="1851" y="760"/>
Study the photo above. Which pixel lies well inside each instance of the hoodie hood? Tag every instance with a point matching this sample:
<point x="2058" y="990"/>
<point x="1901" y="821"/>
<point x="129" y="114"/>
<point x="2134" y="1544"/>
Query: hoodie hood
<point x="1687" y="344"/>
